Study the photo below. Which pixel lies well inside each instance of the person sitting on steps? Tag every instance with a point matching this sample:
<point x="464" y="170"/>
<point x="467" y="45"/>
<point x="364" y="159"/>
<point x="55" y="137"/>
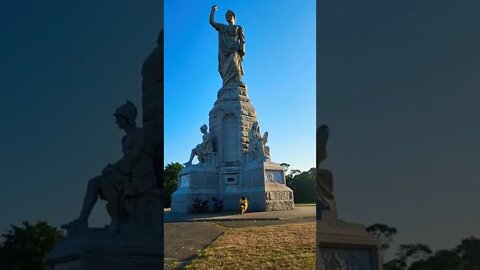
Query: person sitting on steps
<point x="243" y="204"/>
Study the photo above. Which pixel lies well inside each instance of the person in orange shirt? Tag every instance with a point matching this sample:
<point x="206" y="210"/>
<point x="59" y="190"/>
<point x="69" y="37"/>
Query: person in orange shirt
<point x="243" y="204"/>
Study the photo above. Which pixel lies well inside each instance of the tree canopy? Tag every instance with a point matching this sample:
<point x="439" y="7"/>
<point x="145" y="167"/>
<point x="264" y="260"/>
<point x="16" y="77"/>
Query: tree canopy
<point x="303" y="185"/>
<point x="384" y="234"/>
<point x="465" y="256"/>
<point x="25" y="247"/>
<point x="170" y="183"/>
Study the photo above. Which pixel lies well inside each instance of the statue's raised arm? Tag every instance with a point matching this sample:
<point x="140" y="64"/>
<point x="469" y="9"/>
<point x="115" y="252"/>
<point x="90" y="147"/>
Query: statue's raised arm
<point x="212" y="18"/>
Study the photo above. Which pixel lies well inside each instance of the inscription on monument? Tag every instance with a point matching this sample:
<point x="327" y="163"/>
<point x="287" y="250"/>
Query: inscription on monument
<point x="345" y="259"/>
<point x="274" y="176"/>
<point x="231" y="139"/>
<point x="279" y="195"/>
<point x="230" y="179"/>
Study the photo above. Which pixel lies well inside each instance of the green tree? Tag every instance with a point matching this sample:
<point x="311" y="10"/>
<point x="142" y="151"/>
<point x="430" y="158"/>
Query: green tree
<point x="170" y="183"/>
<point x="384" y="234"/>
<point x="441" y="260"/>
<point x="25" y="247"/>
<point x="465" y="256"/>
<point x="289" y="177"/>
<point x="303" y="185"/>
<point x="410" y="253"/>
<point x="395" y="264"/>
<point x="414" y="251"/>
<point x="469" y="253"/>
<point x="285" y="166"/>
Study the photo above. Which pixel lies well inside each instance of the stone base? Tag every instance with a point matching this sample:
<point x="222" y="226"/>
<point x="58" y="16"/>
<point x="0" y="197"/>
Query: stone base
<point x="99" y="249"/>
<point x="263" y="183"/>
<point x="278" y="197"/>
<point x="255" y="196"/>
<point x="342" y="245"/>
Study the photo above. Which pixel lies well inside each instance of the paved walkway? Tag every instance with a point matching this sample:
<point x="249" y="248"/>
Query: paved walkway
<point x="300" y="211"/>
<point x="182" y="241"/>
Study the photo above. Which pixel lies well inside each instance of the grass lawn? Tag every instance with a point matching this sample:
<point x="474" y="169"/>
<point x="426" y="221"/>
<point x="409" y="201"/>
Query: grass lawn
<point x="286" y="246"/>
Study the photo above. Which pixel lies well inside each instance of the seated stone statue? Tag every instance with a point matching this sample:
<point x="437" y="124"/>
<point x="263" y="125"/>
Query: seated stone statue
<point x="324" y="189"/>
<point x="324" y="177"/>
<point x="130" y="176"/>
<point x="257" y="148"/>
<point x="203" y="149"/>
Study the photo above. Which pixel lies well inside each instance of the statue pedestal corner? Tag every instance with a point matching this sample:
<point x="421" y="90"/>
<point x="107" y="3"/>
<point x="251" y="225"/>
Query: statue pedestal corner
<point x="342" y="245"/>
<point x="100" y="249"/>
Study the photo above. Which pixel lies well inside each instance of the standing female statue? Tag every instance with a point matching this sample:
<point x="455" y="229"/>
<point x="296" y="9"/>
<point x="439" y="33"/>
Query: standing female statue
<point x="231" y="49"/>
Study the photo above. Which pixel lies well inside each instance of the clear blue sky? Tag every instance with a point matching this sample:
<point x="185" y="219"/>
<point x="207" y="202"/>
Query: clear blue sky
<point x="279" y="72"/>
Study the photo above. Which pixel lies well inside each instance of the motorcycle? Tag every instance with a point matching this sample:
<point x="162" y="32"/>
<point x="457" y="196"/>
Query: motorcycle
<point x="218" y="204"/>
<point x="200" y="206"/>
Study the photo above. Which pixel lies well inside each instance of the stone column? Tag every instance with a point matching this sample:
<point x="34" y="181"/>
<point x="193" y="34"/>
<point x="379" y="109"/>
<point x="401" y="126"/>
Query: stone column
<point x="230" y="120"/>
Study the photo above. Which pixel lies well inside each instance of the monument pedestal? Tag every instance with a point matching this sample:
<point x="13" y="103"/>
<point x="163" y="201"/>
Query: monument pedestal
<point x="99" y="249"/>
<point x="343" y="245"/>
<point x="137" y="245"/>
<point x="263" y="183"/>
<point x="195" y="182"/>
<point x="234" y="169"/>
<point x="274" y="194"/>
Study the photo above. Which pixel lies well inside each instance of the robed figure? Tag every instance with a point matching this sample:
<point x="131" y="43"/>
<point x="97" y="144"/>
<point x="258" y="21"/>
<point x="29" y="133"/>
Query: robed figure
<point x="231" y="48"/>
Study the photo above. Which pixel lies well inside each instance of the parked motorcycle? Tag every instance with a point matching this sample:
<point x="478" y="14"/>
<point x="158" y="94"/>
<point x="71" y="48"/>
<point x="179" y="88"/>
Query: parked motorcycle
<point x="200" y="206"/>
<point x="218" y="204"/>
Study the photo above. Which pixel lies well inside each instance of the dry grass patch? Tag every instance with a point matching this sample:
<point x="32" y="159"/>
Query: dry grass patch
<point x="288" y="246"/>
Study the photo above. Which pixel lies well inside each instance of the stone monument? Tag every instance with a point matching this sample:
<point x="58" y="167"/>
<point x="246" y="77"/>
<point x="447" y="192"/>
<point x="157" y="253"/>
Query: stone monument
<point x="132" y="187"/>
<point x="234" y="160"/>
<point x="340" y="245"/>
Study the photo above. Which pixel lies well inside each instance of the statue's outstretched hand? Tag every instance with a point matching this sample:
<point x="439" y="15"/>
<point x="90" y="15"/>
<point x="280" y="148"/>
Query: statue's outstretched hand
<point x="214" y="8"/>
